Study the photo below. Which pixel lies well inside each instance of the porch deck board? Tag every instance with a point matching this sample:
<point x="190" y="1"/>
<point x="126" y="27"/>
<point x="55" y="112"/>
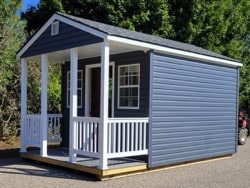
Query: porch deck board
<point x="60" y="157"/>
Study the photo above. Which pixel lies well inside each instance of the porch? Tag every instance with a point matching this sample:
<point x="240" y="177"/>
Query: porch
<point x="97" y="134"/>
<point x="59" y="157"/>
<point x="126" y="138"/>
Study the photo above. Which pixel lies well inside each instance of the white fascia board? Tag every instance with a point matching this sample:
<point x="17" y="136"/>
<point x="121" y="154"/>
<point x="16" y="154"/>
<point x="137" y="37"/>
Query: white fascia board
<point x="175" y="52"/>
<point x="60" y="19"/>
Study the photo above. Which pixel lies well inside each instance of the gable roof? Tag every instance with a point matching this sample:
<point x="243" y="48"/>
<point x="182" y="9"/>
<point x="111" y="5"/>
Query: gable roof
<point x="111" y="32"/>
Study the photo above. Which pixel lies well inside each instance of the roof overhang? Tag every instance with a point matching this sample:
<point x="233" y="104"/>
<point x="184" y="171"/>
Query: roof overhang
<point x="175" y="52"/>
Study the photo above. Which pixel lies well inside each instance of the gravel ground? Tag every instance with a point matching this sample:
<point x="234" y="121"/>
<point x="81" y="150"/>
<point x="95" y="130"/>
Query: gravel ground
<point x="233" y="172"/>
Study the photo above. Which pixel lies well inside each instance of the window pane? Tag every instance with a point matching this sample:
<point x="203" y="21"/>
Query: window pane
<point x="124" y="71"/>
<point x="123" y="92"/>
<point x="133" y="80"/>
<point x="124" y="81"/>
<point x="134" y="92"/>
<point x="134" y="70"/>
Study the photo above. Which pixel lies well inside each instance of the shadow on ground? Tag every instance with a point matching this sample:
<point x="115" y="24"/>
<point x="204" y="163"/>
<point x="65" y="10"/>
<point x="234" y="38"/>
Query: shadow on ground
<point x="12" y="163"/>
<point x="9" y="153"/>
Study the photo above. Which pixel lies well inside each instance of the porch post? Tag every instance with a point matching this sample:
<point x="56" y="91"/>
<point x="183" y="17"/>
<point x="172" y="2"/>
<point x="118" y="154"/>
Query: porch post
<point x="23" y="103"/>
<point x="73" y="101"/>
<point x="103" y="141"/>
<point x="44" y="105"/>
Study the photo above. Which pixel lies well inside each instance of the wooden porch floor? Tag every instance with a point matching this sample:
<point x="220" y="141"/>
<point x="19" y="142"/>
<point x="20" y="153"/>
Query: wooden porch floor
<point x="60" y="157"/>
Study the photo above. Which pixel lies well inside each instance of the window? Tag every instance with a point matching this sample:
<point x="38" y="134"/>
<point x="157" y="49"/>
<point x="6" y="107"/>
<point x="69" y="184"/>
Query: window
<point x="55" y="28"/>
<point x="79" y="89"/>
<point x="129" y="84"/>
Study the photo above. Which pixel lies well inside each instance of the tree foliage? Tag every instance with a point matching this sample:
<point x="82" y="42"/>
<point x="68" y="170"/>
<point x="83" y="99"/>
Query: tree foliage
<point x="219" y="26"/>
<point x="36" y="16"/>
<point x="149" y="16"/>
<point x="11" y="38"/>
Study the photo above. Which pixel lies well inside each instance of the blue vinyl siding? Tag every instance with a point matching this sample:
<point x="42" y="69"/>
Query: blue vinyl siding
<point x="193" y="110"/>
<point x="67" y="38"/>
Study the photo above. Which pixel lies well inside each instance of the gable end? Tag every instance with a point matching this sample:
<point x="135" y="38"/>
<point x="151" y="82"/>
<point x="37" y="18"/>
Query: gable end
<point x="68" y="37"/>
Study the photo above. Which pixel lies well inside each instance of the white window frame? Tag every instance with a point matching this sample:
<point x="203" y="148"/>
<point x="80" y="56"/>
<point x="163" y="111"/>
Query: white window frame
<point x="79" y="72"/>
<point x="118" y="96"/>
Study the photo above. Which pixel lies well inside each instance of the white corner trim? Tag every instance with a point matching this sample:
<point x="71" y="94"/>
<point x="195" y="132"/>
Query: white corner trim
<point x="59" y="18"/>
<point x="151" y="77"/>
<point x="172" y="51"/>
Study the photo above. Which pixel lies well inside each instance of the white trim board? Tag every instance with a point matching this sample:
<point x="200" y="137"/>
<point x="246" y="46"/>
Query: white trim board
<point x="175" y="52"/>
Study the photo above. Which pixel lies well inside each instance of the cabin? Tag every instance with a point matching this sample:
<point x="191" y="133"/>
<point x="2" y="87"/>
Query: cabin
<point x="130" y="101"/>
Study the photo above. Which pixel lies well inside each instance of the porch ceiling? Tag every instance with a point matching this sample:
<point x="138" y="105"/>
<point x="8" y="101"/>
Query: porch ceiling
<point x="88" y="51"/>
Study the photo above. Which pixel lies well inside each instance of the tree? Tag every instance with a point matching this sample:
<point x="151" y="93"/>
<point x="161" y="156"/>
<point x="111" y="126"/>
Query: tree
<point x="219" y="26"/>
<point x="11" y="38"/>
<point x="36" y="16"/>
<point x="133" y="15"/>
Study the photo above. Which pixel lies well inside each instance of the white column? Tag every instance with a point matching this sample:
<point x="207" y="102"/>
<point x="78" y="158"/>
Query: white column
<point x="103" y="140"/>
<point x="23" y="103"/>
<point x="44" y="105"/>
<point x="73" y="101"/>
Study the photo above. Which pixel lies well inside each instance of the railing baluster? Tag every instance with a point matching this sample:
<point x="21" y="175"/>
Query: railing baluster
<point x="95" y="136"/>
<point x="76" y="127"/>
<point x="144" y="135"/>
<point x="84" y="136"/>
<point x="80" y="134"/>
<point x="128" y="130"/>
<point x="109" y="137"/>
<point x="132" y="136"/>
<point x="119" y="140"/>
<point x="140" y="136"/>
<point x="123" y="136"/>
<point x="136" y="136"/>
<point x="91" y="136"/>
<point x="114" y="142"/>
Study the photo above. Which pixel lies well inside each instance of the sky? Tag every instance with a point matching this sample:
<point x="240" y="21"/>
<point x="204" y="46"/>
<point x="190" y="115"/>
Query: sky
<point x="28" y="3"/>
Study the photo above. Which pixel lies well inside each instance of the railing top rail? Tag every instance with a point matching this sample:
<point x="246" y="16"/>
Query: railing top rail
<point x="54" y="115"/>
<point x="39" y="115"/>
<point x="143" y="119"/>
<point x="90" y="119"/>
<point x="33" y="115"/>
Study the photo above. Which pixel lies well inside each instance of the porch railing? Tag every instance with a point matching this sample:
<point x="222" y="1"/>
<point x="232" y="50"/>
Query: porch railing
<point x="126" y="136"/>
<point x="86" y="136"/>
<point x="54" y="127"/>
<point x="32" y="129"/>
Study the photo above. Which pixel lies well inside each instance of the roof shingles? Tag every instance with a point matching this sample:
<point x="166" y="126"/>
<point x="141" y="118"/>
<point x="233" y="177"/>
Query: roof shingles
<point x="138" y="36"/>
